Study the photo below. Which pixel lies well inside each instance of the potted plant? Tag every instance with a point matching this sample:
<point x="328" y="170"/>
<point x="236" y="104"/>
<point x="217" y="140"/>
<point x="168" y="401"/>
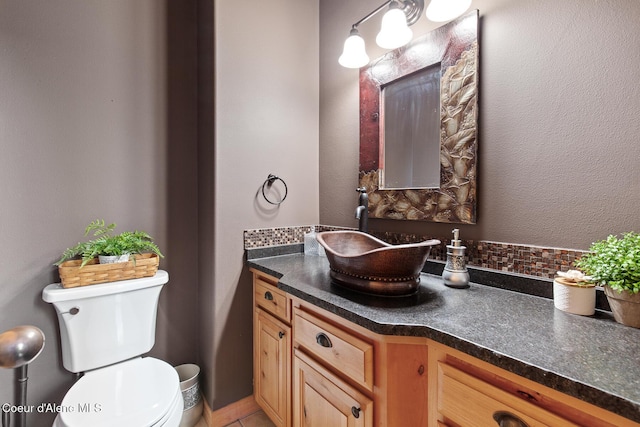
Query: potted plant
<point x="108" y="247"/>
<point x="615" y="264"/>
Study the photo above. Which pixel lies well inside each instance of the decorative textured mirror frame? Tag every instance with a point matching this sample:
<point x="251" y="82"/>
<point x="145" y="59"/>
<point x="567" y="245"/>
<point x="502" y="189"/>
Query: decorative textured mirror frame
<point x="455" y="47"/>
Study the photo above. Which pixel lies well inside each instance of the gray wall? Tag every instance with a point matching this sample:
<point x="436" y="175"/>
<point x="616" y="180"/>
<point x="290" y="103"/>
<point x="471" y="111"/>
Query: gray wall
<point x="121" y="110"/>
<point x="559" y="128"/>
<point x="266" y="121"/>
<point x="126" y="91"/>
<point x="94" y="125"/>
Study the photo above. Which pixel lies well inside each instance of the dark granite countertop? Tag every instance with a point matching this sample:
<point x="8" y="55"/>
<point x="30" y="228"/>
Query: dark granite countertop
<point x="592" y="358"/>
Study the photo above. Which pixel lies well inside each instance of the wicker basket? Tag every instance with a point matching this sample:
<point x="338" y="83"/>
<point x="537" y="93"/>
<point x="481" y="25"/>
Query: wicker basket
<point x="72" y="275"/>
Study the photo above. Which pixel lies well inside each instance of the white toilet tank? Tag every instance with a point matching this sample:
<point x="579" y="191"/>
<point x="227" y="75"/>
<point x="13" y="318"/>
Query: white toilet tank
<point x="106" y="323"/>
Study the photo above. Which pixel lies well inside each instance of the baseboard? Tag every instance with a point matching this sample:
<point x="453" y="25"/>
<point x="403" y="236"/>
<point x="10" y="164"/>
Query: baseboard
<point x="206" y="412"/>
<point x="230" y="413"/>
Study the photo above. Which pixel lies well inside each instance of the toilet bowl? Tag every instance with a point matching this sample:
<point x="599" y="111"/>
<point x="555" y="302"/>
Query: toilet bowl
<point x="137" y="393"/>
<point x="104" y="331"/>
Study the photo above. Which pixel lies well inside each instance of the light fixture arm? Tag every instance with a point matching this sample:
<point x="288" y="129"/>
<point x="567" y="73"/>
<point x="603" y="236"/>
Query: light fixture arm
<point x="370" y="14"/>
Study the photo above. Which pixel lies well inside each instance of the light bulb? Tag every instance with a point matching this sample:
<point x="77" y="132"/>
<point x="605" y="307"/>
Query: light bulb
<point x="446" y="10"/>
<point x="354" y="54"/>
<point x="394" y="31"/>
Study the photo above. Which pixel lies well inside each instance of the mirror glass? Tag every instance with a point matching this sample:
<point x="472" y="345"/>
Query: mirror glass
<point x="418" y="127"/>
<point x="410" y="142"/>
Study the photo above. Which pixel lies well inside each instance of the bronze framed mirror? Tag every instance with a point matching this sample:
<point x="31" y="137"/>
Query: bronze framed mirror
<point x="418" y="127"/>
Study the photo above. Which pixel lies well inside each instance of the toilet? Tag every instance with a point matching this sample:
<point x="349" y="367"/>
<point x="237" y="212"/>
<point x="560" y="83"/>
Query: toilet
<point x="104" y="331"/>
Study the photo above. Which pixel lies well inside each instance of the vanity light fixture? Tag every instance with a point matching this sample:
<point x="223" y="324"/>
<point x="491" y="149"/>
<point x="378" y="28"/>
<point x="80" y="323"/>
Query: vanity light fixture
<point x="354" y="54"/>
<point x="395" y="31"/>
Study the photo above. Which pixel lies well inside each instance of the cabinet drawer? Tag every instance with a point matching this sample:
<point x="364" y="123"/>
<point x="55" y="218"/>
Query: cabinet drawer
<point x="270" y="298"/>
<point x="337" y="348"/>
<point x="468" y="401"/>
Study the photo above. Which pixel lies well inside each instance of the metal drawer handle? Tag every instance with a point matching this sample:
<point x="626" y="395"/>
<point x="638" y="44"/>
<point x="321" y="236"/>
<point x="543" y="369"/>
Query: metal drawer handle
<point x="268" y="296"/>
<point x="355" y="411"/>
<point x="506" y="419"/>
<point x="281" y="334"/>
<point x="323" y="340"/>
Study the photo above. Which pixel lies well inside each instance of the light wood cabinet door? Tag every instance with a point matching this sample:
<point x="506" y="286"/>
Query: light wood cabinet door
<point x="272" y="367"/>
<point x="321" y="399"/>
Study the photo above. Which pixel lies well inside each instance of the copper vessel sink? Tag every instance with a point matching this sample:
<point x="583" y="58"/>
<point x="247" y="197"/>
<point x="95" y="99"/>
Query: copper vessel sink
<point x="364" y="263"/>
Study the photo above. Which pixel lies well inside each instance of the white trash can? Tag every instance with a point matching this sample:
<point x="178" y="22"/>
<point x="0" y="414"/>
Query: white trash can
<point x="192" y="412"/>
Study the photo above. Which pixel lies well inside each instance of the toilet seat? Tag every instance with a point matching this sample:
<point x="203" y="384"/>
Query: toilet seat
<point x="141" y="392"/>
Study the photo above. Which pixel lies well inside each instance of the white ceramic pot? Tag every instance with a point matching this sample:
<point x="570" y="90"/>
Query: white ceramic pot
<point x="112" y="259"/>
<point x="625" y="306"/>
<point x="569" y="297"/>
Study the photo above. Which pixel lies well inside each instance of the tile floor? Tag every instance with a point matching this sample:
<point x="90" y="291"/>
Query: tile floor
<point x="257" y="419"/>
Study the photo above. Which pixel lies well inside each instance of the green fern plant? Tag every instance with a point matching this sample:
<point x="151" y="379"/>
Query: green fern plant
<point x="614" y="262"/>
<point x="106" y="243"/>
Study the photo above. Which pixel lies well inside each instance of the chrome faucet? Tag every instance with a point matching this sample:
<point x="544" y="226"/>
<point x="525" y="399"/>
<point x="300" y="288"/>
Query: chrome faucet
<point x="362" y="211"/>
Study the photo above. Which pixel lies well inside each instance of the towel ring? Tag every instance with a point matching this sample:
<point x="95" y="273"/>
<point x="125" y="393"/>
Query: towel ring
<point x="268" y="183"/>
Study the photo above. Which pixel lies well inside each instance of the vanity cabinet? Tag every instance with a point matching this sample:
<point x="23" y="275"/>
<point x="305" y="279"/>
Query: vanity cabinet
<point x="378" y="380"/>
<point x="272" y="349"/>
<point x="337" y="370"/>
<point x="315" y="368"/>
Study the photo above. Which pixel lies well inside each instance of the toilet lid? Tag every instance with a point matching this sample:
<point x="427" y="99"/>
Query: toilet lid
<point x="137" y="392"/>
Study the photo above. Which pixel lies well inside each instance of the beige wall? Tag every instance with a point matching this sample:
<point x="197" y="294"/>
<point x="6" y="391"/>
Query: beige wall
<point x="125" y="90"/>
<point x="559" y="128"/>
<point x="266" y="121"/>
<point x="85" y="108"/>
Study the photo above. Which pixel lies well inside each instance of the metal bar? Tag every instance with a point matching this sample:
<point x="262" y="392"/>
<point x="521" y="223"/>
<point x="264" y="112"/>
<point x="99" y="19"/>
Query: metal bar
<point x="371" y="14"/>
<point x="21" y="375"/>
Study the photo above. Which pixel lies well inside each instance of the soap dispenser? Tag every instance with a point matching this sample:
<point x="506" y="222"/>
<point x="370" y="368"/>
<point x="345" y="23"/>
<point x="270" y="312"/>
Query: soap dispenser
<point x="311" y="245"/>
<point x="455" y="272"/>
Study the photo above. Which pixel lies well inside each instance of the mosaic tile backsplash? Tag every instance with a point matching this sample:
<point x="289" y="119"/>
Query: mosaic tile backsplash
<point x="514" y="258"/>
